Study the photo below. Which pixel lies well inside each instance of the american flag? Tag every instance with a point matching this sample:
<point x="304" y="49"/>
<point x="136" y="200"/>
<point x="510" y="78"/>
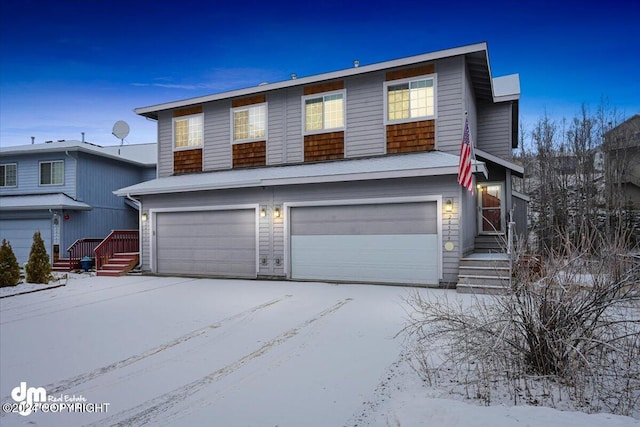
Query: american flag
<point x="465" y="177"/>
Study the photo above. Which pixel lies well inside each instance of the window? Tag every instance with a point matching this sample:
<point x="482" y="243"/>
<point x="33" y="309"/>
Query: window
<point x="52" y="173"/>
<point x="409" y="100"/>
<point x="324" y="112"/>
<point x="8" y="175"/>
<point x="249" y="123"/>
<point x="187" y="132"/>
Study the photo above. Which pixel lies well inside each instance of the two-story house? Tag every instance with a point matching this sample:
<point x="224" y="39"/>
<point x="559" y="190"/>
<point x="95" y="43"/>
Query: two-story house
<point x="64" y="189"/>
<point x="345" y="176"/>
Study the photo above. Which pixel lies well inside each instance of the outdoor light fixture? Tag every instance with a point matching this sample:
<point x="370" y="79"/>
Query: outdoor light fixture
<point x="276" y="213"/>
<point x="448" y="207"/>
<point x="144" y="216"/>
<point x="263" y="212"/>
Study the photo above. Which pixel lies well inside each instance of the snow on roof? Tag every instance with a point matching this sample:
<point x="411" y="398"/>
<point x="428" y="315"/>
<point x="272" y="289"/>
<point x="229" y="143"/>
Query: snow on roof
<point x="42" y="201"/>
<point x="423" y="164"/>
<point x="506" y="88"/>
<point x="141" y="154"/>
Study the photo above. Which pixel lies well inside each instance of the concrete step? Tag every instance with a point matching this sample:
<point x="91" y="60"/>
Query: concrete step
<point x="484" y="290"/>
<point x="486" y="270"/>
<point x="482" y="280"/>
<point x="484" y="262"/>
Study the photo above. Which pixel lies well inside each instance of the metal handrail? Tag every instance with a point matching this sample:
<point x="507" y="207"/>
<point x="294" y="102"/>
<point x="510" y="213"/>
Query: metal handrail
<point x="118" y="241"/>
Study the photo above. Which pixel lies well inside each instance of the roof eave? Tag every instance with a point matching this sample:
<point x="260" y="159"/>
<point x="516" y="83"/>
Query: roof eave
<point x="152" y="111"/>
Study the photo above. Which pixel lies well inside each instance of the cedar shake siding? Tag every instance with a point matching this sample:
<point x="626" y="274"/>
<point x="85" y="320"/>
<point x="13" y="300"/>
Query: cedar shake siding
<point x="324" y="87"/>
<point x="188" y="111"/>
<point x="241" y="102"/>
<point x="250" y="154"/>
<point x="187" y="161"/>
<point x="410" y="72"/>
<point x="411" y="137"/>
<point x="324" y="146"/>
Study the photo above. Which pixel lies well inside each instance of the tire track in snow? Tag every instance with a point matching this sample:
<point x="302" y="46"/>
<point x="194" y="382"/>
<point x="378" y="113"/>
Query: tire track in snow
<point x="58" y="388"/>
<point x="40" y="313"/>
<point x="151" y="409"/>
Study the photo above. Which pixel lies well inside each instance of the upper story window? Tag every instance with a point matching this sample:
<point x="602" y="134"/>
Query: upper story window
<point x="249" y="123"/>
<point x="324" y="112"/>
<point x="410" y="99"/>
<point x="188" y="132"/>
<point x="52" y="173"/>
<point x="8" y="175"/>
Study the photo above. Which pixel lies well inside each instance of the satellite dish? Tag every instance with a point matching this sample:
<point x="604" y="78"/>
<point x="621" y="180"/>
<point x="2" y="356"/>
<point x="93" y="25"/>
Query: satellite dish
<point x="120" y="130"/>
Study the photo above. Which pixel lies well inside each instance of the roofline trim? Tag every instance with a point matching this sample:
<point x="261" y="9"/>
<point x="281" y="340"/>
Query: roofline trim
<point x="457" y="51"/>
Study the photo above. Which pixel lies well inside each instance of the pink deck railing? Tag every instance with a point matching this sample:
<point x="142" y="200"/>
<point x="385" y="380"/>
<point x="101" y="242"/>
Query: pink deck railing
<point x="80" y="249"/>
<point x="118" y="241"/>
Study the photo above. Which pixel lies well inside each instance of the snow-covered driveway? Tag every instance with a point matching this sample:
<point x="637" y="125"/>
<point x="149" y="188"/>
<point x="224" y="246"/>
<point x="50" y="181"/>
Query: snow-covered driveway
<point x="188" y="352"/>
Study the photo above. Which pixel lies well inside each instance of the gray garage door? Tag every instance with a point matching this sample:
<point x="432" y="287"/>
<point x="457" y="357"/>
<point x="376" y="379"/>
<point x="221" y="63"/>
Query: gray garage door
<point x="19" y="232"/>
<point x="217" y="243"/>
<point x="386" y="243"/>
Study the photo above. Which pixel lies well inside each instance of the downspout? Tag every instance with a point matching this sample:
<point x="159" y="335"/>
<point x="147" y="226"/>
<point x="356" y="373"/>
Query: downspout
<point x="139" y="205"/>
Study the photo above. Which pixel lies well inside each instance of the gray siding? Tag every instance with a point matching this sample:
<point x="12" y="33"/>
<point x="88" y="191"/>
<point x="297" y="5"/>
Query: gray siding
<point x="494" y="129"/>
<point x="471" y="107"/>
<point x="468" y="213"/>
<point x="365" y="131"/>
<point x="450" y="119"/>
<point x="165" y="144"/>
<point x="271" y="230"/>
<point x="28" y="174"/>
<point x="217" y="136"/>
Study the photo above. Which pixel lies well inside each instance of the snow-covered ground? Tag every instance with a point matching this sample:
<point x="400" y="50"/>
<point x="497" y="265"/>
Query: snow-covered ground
<point x="191" y="352"/>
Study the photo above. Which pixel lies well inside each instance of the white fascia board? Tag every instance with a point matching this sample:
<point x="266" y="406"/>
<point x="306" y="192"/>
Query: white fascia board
<point x="506" y="88"/>
<point x="521" y="196"/>
<point x="318" y="179"/>
<point x="519" y="170"/>
<point x="463" y="50"/>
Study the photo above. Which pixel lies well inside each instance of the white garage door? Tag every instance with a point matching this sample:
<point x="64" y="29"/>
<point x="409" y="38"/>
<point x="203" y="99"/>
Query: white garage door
<point x="216" y="243"/>
<point x="19" y="232"/>
<point x="386" y="243"/>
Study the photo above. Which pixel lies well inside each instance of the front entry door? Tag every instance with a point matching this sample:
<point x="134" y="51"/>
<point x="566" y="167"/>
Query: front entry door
<point x="491" y="207"/>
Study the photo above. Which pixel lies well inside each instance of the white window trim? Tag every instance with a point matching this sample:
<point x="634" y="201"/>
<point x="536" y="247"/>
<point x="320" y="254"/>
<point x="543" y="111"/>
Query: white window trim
<point x="343" y="92"/>
<point x="385" y="94"/>
<point x="173" y="133"/>
<point x="266" y="123"/>
<point x="5" y="175"/>
<point x="40" y="173"/>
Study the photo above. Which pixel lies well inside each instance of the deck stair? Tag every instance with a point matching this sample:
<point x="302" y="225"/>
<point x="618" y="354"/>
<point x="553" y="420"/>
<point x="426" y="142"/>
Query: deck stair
<point x="119" y="264"/>
<point x="484" y="273"/>
<point x="61" y="265"/>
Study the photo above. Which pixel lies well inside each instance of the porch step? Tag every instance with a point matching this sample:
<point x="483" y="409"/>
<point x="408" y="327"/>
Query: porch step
<point x="62" y="264"/>
<point x="119" y="264"/>
<point x="484" y="273"/>
<point x="489" y="244"/>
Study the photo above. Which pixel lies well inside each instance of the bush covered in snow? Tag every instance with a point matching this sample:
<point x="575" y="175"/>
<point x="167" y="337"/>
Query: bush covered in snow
<point x="38" y="268"/>
<point x="9" y="267"/>
<point x="568" y="336"/>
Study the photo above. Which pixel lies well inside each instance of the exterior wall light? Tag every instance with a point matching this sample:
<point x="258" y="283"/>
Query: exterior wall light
<point x="263" y="212"/>
<point x="448" y="207"/>
<point x="276" y="213"/>
<point x="144" y="216"/>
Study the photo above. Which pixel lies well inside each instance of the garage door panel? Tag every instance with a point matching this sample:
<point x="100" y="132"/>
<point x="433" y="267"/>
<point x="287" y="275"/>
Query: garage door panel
<point x="221" y="242"/>
<point x="19" y="232"/>
<point x="386" y="243"/>
<point x="378" y="258"/>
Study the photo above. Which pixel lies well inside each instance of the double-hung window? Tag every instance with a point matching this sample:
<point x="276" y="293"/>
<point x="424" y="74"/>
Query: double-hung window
<point x="188" y="132"/>
<point x="410" y="99"/>
<point x="324" y="112"/>
<point x="249" y="123"/>
<point x="8" y="175"/>
<point x="52" y="173"/>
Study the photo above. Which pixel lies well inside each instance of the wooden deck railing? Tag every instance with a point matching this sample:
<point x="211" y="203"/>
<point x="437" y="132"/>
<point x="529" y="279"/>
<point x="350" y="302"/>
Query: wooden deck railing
<point x="117" y="241"/>
<point x="80" y="249"/>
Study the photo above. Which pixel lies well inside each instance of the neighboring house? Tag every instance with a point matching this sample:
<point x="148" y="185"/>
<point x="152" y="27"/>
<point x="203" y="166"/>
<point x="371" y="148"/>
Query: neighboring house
<point x="345" y="176"/>
<point x="622" y="162"/>
<point x="64" y="189"/>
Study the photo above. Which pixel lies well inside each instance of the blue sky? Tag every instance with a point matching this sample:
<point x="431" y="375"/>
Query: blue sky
<point x="70" y="66"/>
